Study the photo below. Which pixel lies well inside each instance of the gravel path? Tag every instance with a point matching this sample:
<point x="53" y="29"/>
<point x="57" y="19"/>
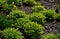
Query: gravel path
<point x="52" y="27"/>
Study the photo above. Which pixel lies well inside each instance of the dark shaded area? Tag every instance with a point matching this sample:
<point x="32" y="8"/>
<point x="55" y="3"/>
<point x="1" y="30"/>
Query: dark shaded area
<point x="57" y="11"/>
<point x="24" y="34"/>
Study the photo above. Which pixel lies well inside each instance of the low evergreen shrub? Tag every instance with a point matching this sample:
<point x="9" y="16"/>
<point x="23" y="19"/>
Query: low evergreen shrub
<point x="17" y="14"/>
<point x="29" y="2"/>
<point x="16" y="2"/>
<point x="11" y="33"/>
<point x="37" y="17"/>
<point x="4" y="22"/>
<point x="6" y="7"/>
<point x="50" y="36"/>
<point x="21" y="22"/>
<point x="58" y="16"/>
<point x="33" y="30"/>
<point x="38" y="8"/>
<point x="50" y="14"/>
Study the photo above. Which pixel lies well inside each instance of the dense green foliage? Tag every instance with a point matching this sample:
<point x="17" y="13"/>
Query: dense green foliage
<point x="29" y="2"/>
<point x="16" y="22"/>
<point x="21" y="22"/>
<point x="4" y="22"/>
<point x="6" y="7"/>
<point x="33" y="30"/>
<point x="58" y="16"/>
<point x="17" y="14"/>
<point x="50" y="14"/>
<point x="58" y="9"/>
<point x="37" y="17"/>
<point x="38" y="8"/>
<point x="50" y="36"/>
<point x="17" y="2"/>
<point x="38" y="4"/>
<point x="12" y="33"/>
<point x="58" y="35"/>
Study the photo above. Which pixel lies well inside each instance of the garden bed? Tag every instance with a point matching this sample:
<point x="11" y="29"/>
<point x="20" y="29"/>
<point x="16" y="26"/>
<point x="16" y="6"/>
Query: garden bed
<point x="30" y="20"/>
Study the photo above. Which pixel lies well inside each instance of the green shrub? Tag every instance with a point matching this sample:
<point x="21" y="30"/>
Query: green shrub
<point x="29" y="2"/>
<point x="21" y="22"/>
<point x="38" y="4"/>
<point x="37" y="17"/>
<point x="58" y="16"/>
<point x="15" y="1"/>
<point x="50" y="14"/>
<point x="38" y="8"/>
<point x="4" y="22"/>
<point x="58" y="35"/>
<point x="2" y="2"/>
<point x="50" y="36"/>
<point x="58" y="8"/>
<point x="59" y="1"/>
<point x="16" y="14"/>
<point x="6" y="7"/>
<point x="33" y="30"/>
<point x="12" y="33"/>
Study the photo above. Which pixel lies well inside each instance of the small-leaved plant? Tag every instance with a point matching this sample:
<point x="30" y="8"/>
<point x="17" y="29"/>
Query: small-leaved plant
<point x="33" y="30"/>
<point x="50" y="36"/>
<point x="11" y="33"/>
<point x="29" y="2"/>
<point x="4" y="22"/>
<point x="21" y="22"/>
<point x="50" y="14"/>
<point x="37" y="17"/>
